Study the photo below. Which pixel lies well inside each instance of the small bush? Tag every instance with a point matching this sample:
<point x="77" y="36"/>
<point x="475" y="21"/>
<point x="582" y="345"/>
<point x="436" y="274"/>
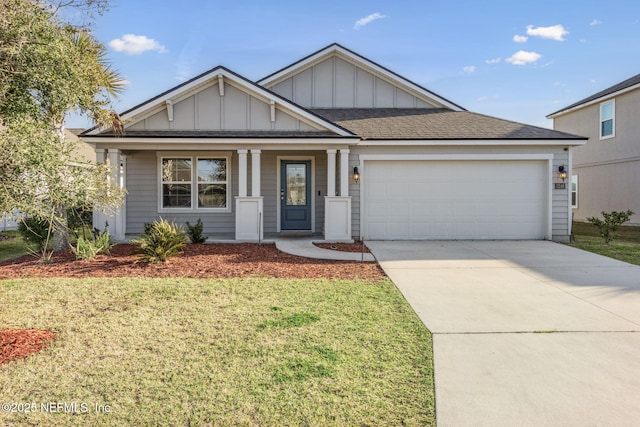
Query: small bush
<point x="160" y="241"/>
<point x="35" y="231"/>
<point x="609" y="226"/>
<point x="195" y="232"/>
<point x="88" y="249"/>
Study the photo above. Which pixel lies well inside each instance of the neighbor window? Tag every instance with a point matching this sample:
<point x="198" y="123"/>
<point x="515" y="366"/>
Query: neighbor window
<point x="574" y="191"/>
<point x="194" y="183"/>
<point x="607" y="119"/>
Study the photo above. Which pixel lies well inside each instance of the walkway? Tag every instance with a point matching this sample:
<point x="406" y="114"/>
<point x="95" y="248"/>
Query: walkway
<point x="304" y="247"/>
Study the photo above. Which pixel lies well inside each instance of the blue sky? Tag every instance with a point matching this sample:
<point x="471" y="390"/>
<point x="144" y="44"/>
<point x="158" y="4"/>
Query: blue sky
<point x="517" y="60"/>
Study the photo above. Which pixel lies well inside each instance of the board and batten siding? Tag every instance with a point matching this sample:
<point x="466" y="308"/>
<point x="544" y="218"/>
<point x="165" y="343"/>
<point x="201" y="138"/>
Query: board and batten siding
<point x="207" y="110"/>
<point x="142" y="197"/>
<point x="336" y="83"/>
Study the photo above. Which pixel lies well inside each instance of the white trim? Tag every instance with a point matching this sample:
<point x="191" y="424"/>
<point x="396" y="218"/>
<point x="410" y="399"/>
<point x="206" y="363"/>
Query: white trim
<point x="194" y="156"/>
<point x="155" y="143"/>
<point x="613" y="120"/>
<point x="525" y="156"/>
<point x="571" y="205"/>
<point x="456" y="157"/>
<point x="279" y="160"/>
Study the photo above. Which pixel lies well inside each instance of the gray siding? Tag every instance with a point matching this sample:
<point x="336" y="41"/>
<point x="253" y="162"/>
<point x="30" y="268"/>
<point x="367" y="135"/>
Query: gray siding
<point x="142" y="198"/>
<point x="337" y="83"/>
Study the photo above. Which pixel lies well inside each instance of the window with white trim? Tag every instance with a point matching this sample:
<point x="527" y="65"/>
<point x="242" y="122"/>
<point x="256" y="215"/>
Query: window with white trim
<point x="607" y="119"/>
<point x="190" y="183"/>
<point x="574" y="191"/>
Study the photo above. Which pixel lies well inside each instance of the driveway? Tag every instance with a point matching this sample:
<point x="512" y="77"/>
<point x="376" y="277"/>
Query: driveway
<point x="524" y="333"/>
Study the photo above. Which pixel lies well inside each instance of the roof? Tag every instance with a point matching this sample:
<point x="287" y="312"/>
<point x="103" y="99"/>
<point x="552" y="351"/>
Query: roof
<point x="627" y="84"/>
<point x="434" y="124"/>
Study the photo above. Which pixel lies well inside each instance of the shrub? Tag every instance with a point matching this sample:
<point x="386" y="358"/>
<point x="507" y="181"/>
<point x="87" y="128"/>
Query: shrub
<point x="160" y="241"/>
<point x="35" y="231"/>
<point x="88" y="249"/>
<point x="609" y="226"/>
<point x="195" y="232"/>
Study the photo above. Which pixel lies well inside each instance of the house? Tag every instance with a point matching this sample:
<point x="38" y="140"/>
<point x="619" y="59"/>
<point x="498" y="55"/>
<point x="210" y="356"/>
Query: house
<point x="337" y="145"/>
<point x="606" y="170"/>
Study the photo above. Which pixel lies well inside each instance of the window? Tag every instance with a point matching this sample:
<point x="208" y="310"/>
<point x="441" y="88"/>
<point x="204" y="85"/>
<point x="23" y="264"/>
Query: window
<point x="194" y="183"/>
<point x="607" y="119"/>
<point x="574" y="191"/>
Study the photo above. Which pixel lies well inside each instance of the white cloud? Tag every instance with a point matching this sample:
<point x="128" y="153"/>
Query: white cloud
<point x="520" y="39"/>
<point x="367" y="20"/>
<point x="469" y="69"/>
<point x="493" y="61"/>
<point x="595" y="22"/>
<point x="555" y="32"/>
<point x="133" y="44"/>
<point x="523" y="57"/>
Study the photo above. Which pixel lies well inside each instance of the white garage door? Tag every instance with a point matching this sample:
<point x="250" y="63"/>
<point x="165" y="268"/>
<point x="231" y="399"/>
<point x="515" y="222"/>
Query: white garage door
<point x="449" y="200"/>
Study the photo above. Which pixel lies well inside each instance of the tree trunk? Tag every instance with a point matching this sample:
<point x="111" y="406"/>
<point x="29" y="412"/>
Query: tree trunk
<point x="60" y="230"/>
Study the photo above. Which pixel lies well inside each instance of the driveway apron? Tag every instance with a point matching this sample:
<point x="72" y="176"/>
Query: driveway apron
<point x="524" y="332"/>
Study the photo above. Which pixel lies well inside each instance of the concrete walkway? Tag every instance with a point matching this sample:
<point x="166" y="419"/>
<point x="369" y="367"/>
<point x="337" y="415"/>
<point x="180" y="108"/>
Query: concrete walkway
<point x="524" y="333"/>
<point x="304" y="247"/>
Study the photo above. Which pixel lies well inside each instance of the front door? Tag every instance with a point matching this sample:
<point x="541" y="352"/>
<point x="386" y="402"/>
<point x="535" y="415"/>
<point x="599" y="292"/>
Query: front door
<point x="295" y="195"/>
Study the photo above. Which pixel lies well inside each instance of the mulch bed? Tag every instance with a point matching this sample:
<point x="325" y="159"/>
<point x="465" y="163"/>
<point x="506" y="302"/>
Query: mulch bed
<point x="19" y="343"/>
<point x="344" y="247"/>
<point x="198" y="261"/>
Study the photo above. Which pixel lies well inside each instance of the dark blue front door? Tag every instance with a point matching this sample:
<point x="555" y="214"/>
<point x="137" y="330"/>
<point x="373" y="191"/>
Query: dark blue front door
<point x="295" y="195"/>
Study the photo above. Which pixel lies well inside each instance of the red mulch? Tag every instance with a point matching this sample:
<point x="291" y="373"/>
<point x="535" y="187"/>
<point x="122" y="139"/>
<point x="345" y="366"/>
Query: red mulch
<point x="344" y="247"/>
<point x="198" y="261"/>
<point x="20" y="343"/>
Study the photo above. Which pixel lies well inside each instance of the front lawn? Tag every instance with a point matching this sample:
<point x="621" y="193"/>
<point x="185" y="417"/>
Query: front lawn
<point x="254" y="351"/>
<point x="624" y="248"/>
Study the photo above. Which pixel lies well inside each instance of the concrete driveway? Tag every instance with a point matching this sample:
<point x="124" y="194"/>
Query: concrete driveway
<point x="524" y="333"/>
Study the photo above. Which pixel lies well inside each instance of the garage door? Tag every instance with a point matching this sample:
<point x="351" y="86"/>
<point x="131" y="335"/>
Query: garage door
<point x="411" y="200"/>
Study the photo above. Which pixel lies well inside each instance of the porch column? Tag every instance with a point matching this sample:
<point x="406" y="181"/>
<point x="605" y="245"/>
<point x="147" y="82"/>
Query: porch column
<point x="117" y="219"/>
<point x="337" y="209"/>
<point x="249" y="209"/>
<point x="331" y="173"/>
<point x="344" y="172"/>
<point x="242" y="173"/>
<point x="255" y="173"/>
<point x="99" y="218"/>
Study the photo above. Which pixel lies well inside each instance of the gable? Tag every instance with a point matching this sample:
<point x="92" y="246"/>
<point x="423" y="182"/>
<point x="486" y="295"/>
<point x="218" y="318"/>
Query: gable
<point x="338" y="78"/>
<point x="222" y="101"/>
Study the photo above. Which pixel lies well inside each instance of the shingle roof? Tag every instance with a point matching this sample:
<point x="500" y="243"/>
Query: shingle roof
<point x="635" y="80"/>
<point x="423" y="124"/>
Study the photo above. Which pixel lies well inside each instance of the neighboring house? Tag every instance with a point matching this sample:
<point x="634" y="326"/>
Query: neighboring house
<point x="83" y="152"/>
<point x="279" y="156"/>
<point x="606" y="170"/>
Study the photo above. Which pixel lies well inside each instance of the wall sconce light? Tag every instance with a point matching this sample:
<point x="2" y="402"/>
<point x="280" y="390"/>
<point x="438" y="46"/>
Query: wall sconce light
<point x="562" y="173"/>
<point x="356" y="174"/>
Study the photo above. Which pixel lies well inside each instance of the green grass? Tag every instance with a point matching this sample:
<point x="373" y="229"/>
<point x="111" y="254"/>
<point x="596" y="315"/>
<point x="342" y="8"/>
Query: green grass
<point x="219" y="352"/>
<point x="624" y="248"/>
<point x="13" y="247"/>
